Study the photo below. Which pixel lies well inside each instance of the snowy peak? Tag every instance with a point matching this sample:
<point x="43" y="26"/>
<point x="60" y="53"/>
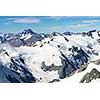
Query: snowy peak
<point x="27" y="31"/>
<point x="23" y="38"/>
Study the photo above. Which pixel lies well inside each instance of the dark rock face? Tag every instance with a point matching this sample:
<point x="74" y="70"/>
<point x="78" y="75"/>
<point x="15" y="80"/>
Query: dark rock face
<point x="95" y="53"/>
<point x="54" y="80"/>
<point x="80" y="58"/>
<point x="89" y="33"/>
<point x="84" y="34"/>
<point x="98" y="34"/>
<point x="34" y="38"/>
<point x="82" y="68"/>
<point x="49" y="68"/>
<point x="16" y="71"/>
<point x="54" y="34"/>
<point x="90" y="46"/>
<point x="88" y="77"/>
<point x="66" y="69"/>
<point x="98" y="40"/>
<point x="16" y="42"/>
<point x="92" y="31"/>
<point x="26" y="75"/>
<point x="66" y="39"/>
<point x="67" y="33"/>
<point x="12" y="79"/>
<point x="28" y="79"/>
<point x="97" y="62"/>
<point x="28" y="31"/>
<point x="1" y="39"/>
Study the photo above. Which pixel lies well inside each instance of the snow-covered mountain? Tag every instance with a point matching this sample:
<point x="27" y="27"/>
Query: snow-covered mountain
<point x="23" y="38"/>
<point x="50" y="58"/>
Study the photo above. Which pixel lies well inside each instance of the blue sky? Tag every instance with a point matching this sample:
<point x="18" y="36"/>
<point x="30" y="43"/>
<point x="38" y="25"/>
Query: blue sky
<point x="48" y="24"/>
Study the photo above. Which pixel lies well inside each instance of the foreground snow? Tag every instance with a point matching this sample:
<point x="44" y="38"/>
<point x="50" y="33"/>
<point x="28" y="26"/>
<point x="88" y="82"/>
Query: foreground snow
<point x="76" y="78"/>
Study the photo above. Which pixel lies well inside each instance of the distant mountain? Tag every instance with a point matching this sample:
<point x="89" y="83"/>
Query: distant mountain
<point x="23" y="38"/>
<point x="68" y="33"/>
<point x="28" y="37"/>
<point x="28" y="31"/>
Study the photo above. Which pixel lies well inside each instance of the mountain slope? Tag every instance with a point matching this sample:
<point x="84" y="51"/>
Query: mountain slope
<point x="50" y="59"/>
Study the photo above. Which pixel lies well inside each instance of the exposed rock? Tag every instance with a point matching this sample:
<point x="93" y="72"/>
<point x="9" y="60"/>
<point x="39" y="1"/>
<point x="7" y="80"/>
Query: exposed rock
<point x="66" y="39"/>
<point x="67" y="68"/>
<point x="88" y="77"/>
<point x="54" y="80"/>
<point x="82" y="68"/>
<point x="52" y="67"/>
<point x="98" y="40"/>
<point x="12" y="79"/>
<point x="97" y="62"/>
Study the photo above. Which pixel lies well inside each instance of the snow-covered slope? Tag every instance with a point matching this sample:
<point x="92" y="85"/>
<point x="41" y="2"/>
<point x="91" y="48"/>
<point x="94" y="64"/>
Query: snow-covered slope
<point x="55" y="58"/>
<point x="77" y="77"/>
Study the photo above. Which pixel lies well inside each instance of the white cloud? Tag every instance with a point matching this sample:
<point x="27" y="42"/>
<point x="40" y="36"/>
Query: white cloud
<point x="56" y="17"/>
<point x="85" y="23"/>
<point x="90" y="21"/>
<point x="24" y="20"/>
<point x="57" y="28"/>
<point x="79" y="25"/>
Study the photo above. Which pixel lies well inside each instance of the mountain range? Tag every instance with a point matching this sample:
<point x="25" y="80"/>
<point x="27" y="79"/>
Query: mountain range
<point x="30" y="57"/>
